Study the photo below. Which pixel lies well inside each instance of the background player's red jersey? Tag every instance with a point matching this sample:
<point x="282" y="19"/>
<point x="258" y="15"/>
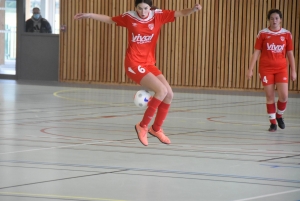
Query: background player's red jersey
<point x="273" y="46"/>
<point x="143" y="33"/>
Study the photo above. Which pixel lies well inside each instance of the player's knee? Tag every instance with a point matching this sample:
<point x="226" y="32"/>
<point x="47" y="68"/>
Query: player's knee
<point x="270" y="98"/>
<point x="164" y="91"/>
<point x="170" y="95"/>
<point x="283" y="98"/>
<point x="161" y="92"/>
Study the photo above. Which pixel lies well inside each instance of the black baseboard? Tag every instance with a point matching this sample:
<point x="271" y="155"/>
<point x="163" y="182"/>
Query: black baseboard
<point x="8" y="77"/>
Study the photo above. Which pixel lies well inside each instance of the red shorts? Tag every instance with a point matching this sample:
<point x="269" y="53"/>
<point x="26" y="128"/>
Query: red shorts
<point x="136" y="72"/>
<point x="273" y="78"/>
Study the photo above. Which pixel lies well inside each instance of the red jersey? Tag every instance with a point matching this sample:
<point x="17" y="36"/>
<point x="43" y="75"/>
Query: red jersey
<point x="273" y="46"/>
<point x="143" y="33"/>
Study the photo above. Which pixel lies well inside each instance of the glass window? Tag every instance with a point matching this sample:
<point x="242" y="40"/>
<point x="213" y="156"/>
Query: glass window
<point x="47" y="9"/>
<point x="8" y="36"/>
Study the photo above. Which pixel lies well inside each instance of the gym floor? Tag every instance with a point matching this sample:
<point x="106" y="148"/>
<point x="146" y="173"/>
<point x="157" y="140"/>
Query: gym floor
<point x="62" y="141"/>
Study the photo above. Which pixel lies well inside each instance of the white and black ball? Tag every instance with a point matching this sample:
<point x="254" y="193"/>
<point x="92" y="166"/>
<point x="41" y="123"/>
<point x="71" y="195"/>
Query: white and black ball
<point x="141" y="98"/>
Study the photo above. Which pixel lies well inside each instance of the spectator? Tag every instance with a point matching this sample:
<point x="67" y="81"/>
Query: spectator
<point x="37" y="23"/>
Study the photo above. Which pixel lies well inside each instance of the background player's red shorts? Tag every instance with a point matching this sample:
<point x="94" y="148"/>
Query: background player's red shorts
<point x="136" y="72"/>
<point x="269" y="78"/>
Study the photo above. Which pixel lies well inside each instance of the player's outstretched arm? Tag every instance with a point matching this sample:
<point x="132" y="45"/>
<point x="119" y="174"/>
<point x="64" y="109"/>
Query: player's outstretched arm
<point x="99" y="17"/>
<point x="187" y="11"/>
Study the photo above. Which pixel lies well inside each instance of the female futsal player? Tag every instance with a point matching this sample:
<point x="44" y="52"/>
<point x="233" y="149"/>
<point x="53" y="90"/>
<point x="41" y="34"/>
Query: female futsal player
<point x="143" y="27"/>
<point x="273" y="44"/>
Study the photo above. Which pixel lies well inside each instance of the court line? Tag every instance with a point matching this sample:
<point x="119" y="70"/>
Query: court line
<point x="238" y="122"/>
<point x="87" y="101"/>
<point x="59" y="147"/>
<point x="214" y="136"/>
<point x="167" y="171"/>
<point x="270" y="159"/>
<point x="198" y="146"/>
<point x="269" y="195"/>
<point x="61" y="179"/>
<point x="56" y="196"/>
<point x="94" y="142"/>
<point x="279" y="166"/>
<point x="159" y="176"/>
<point x="173" y="109"/>
<point x="190" y="154"/>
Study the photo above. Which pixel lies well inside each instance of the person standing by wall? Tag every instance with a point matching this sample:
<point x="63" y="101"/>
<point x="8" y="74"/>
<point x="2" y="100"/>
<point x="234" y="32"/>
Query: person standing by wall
<point x="273" y="44"/>
<point x="37" y="23"/>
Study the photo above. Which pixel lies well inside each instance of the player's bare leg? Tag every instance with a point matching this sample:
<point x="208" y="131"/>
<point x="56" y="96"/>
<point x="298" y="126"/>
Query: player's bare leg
<point x="169" y="97"/>
<point x="152" y="83"/>
<point x="162" y="112"/>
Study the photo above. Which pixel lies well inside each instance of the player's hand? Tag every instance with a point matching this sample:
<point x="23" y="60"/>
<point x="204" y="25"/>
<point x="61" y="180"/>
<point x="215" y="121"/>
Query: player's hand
<point x="197" y="7"/>
<point x="79" y="16"/>
<point x="249" y="74"/>
<point x="293" y="76"/>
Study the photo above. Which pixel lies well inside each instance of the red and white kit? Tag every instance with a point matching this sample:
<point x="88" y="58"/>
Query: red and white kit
<point x="142" y="38"/>
<point x="272" y="63"/>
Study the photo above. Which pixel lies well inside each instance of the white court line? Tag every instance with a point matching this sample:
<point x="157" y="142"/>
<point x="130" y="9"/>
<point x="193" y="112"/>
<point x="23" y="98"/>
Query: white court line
<point x="174" y="145"/>
<point x="77" y="145"/>
<point x="268" y="195"/>
<point x="228" y="120"/>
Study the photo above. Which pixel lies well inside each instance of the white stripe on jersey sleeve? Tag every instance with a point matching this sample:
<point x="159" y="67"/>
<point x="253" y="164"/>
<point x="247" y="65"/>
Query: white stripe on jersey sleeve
<point x="268" y="31"/>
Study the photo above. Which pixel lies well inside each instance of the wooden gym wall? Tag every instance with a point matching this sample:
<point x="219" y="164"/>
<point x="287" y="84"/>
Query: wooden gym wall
<point x="211" y="48"/>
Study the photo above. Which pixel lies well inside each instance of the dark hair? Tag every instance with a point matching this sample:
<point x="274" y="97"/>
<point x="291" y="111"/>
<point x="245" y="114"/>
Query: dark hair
<point x="149" y="2"/>
<point x="154" y="7"/>
<point x="274" y="11"/>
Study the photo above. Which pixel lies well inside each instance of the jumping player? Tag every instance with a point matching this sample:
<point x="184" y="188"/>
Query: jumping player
<point x="273" y="44"/>
<point x="143" y="27"/>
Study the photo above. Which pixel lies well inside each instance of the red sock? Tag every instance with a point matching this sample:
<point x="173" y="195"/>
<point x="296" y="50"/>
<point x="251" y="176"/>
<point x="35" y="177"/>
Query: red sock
<point x="161" y="115"/>
<point x="150" y="111"/>
<point x="271" y="109"/>
<point x="280" y="109"/>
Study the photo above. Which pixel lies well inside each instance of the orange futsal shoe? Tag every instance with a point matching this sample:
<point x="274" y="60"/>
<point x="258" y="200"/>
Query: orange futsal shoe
<point x="160" y="135"/>
<point x="142" y="134"/>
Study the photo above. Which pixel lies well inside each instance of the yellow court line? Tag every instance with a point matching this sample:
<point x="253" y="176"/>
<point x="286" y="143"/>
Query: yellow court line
<point x="74" y="99"/>
<point x="56" y="196"/>
<point x="171" y="109"/>
<point x="85" y="101"/>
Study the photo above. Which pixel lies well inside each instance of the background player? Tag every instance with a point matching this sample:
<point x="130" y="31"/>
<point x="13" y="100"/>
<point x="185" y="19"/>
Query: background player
<point x="274" y="43"/>
<point x="143" y="27"/>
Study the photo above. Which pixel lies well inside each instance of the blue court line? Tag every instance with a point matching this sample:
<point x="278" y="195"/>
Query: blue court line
<point x="155" y="170"/>
<point x="280" y="166"/>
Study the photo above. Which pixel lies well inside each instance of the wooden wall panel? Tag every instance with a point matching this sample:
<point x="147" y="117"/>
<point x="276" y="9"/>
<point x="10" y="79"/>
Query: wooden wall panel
<point x="211" y="48"/>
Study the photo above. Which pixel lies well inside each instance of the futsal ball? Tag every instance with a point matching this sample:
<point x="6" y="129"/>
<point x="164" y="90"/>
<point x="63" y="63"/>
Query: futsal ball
<point x="141" y="98"/>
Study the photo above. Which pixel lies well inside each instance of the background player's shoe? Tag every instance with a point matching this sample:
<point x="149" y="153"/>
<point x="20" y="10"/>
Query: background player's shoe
<point x="280" y="123"/>
<point x="142" y="134"/>
<point x="273" y="128"/>
<point x="160" y="135"/>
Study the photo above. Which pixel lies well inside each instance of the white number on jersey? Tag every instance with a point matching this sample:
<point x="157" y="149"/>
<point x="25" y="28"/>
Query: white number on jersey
<point x="265" y="79"/>
<point x="141" y="69"/>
